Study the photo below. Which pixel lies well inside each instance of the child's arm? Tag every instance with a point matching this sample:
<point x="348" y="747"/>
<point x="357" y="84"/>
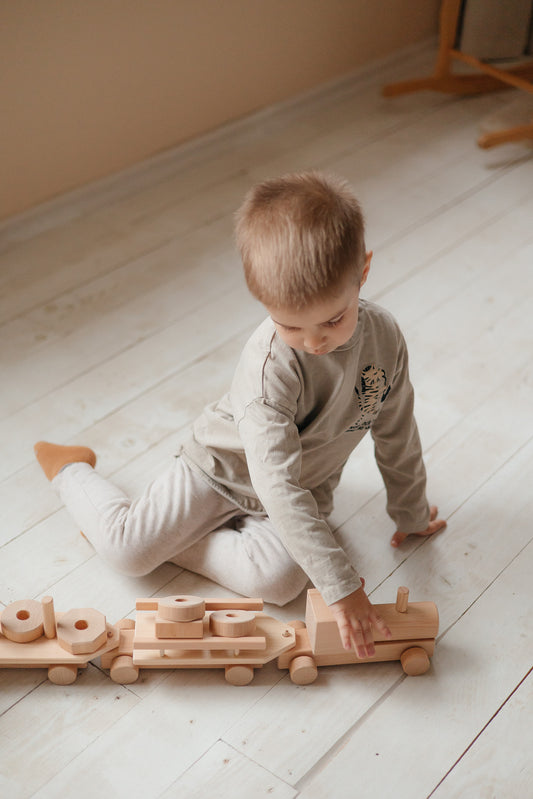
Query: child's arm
<point x="273" y="450"/>
<point x="356" y="618"/>
<point x="398" y="452"/>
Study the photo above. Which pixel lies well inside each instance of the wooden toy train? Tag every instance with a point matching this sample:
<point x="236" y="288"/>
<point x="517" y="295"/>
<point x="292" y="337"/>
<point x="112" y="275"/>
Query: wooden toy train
<point x="189" y="632"/>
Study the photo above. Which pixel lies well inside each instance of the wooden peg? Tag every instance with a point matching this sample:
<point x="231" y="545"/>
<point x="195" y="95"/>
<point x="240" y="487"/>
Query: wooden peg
<point x="49" y="617"/>
<point x="402" y="599"/>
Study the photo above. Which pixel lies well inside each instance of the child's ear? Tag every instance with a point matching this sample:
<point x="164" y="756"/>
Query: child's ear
<point x="366" y="268"/>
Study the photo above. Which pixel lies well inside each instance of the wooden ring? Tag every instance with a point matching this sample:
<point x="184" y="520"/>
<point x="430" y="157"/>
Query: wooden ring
<point x="181" y="607"/>
<point x="22" y="621"/>
<point x="232" y="623"/>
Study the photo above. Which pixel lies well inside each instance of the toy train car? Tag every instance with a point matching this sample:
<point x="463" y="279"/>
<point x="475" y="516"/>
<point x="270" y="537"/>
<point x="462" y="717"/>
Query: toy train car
<point x="190" y="632"/>
<point x="33" y="635"/>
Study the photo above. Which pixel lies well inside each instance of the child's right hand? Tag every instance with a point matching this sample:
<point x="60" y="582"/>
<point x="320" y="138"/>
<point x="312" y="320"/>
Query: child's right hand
<point x="356" y="619"/>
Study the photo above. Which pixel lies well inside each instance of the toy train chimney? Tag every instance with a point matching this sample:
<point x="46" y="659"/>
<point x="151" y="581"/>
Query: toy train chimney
<point x="402" y="599"/>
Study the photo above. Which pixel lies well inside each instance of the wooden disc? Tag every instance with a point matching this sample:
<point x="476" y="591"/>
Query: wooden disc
<point x="63" y="675"/>
<point x="22" y="621"/>
<point x="239" y="675"/>
<point x="415" y="661"/>
<point x="123" y="671"/>
<point x="232" y="623"/>
<point x="303" y="670"/>
<point x="182" y="607"/>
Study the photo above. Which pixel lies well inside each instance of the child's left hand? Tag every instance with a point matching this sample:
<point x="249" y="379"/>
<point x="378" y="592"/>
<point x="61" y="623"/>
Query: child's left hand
<point x="356" y="619"/>
<point x="434" y="526"/>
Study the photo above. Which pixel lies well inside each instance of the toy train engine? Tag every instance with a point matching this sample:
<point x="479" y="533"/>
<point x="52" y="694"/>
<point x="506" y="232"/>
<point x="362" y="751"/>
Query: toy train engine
<point x="414" y="626"/>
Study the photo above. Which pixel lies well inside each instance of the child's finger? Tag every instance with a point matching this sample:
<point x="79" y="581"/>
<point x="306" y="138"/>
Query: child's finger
<point x="353" y="637"/>
<point x="363" y="640"/>
<point x="380" y="625"/>
<point x="345" y="631"/>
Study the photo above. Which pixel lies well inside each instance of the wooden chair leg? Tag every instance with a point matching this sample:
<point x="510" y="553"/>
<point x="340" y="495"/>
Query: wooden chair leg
<point x="449" y="19"/>
<point x="442" y="79"/>
<point x="446" y="81"/>
<point x="490" y="79"/>
<point x="519" y="133"/>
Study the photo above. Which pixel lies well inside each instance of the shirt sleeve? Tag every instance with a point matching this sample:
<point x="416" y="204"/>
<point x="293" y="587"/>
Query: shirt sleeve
<point x="273" y="451"/>
<point x="398" y="452"/>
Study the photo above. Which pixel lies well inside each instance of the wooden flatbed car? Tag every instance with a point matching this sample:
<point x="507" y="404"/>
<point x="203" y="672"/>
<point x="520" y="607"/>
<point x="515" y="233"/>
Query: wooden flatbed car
<point x="234" y="635"/>
<point x="34" y="636"/>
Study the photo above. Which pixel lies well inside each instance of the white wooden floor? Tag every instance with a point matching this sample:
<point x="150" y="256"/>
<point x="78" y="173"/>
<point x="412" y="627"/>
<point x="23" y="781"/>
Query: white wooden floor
<point x="123" y="311"/>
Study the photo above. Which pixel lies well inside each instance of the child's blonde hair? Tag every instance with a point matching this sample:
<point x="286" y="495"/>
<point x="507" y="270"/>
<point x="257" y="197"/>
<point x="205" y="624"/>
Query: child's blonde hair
<point x="300" y="237"/>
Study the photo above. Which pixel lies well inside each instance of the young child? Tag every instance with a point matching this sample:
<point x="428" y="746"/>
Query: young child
<point x="246" y="501"/>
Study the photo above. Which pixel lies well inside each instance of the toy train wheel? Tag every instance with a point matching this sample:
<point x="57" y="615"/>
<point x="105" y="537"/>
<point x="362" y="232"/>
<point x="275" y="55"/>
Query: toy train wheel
<point x="239" y="675"/>
<point x="415" y="661"/>
<point x="123" y="671"/>
<point x="303" y="670"/>
<point x="62" y="675"/>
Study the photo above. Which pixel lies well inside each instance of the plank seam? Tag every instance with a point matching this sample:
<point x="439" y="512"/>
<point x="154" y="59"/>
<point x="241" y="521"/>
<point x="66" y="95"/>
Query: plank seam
<point x="480" y="733"/>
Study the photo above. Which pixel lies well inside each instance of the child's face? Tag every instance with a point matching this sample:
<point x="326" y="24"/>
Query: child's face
<point x="324" y="326"/>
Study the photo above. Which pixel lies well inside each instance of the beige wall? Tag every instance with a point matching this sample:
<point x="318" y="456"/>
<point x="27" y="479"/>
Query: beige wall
<point x="88" y="87"/>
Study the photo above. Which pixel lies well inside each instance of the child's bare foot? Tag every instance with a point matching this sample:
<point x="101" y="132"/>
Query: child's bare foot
<point x="52" y="457"/>
<point x="434" y="526"/>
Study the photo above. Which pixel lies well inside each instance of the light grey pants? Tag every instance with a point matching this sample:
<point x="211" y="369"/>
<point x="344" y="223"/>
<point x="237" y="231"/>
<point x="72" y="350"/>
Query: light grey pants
<point x="180" y="518"/>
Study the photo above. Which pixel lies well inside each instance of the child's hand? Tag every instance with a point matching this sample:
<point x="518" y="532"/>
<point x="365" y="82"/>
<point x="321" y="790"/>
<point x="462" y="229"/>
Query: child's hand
<point x="355" y="617"/>
<point x="433" y="527"/>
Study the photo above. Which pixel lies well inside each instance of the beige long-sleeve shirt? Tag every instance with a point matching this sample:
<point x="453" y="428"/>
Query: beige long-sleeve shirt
<point x="277" y="442"/>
